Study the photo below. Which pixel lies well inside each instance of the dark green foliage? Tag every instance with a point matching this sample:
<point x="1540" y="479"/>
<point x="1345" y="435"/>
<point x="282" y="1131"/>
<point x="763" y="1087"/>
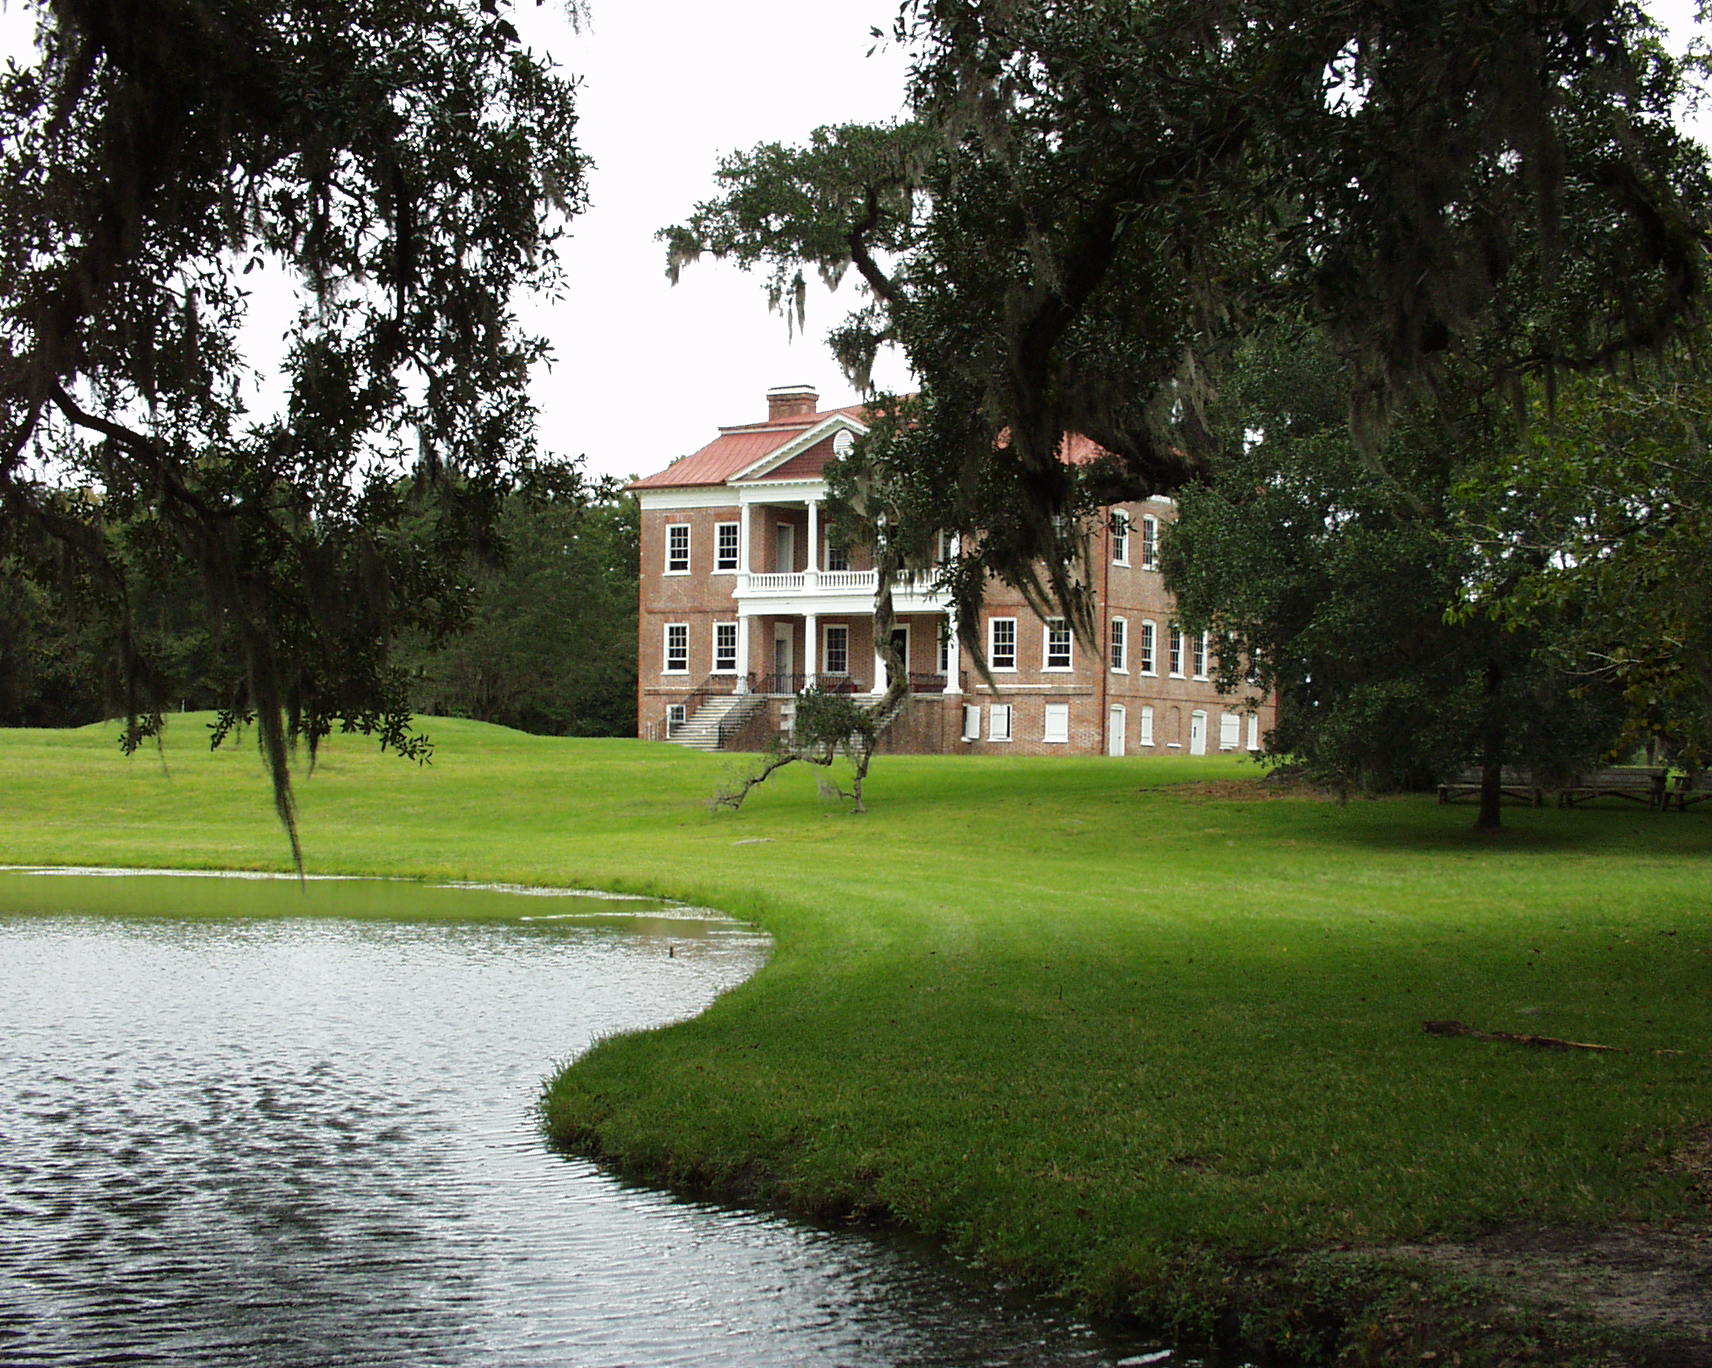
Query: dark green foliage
<point x="407" y="167"/>
<point x="1597" y="526"/>
<point x="1091" y="205"/>
<point x="550" y="644"/>
<point x="1339" y="576"/>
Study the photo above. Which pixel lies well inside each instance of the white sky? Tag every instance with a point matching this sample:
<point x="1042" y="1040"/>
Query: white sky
<point x="645" y="371"/>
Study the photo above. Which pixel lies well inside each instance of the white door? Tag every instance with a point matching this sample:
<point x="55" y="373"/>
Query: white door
<point x="1115" y="727"/>
<point x="784" y="549"/>
<point x="782" y="651"/>
<point x="1197" y="733"/>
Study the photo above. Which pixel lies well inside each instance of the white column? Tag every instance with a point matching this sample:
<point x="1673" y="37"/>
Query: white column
<point x="811" y="648"/>
<point x="813" y="561"/>
<point x="882" y="674"/>
<point x="953" y="656"/>
<point x="743" y="626"/>
<point x="743" y="513"/>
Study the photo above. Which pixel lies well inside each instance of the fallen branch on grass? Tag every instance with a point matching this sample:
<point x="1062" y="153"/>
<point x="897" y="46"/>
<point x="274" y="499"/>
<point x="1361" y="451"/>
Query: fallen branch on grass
<point x="1539" y="1042"/>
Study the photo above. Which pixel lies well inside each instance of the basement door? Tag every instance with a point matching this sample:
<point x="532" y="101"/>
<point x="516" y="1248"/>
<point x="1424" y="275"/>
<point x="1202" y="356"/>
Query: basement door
<point x="1197" y="733"/>
<point x="1116" y="725"/>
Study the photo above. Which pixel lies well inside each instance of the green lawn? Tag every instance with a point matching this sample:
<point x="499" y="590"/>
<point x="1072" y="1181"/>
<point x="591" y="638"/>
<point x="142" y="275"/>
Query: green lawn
<point x="1076" y="1015"/>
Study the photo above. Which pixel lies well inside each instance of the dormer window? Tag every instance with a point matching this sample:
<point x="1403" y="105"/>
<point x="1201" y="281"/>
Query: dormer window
<point x="842" y="443"/>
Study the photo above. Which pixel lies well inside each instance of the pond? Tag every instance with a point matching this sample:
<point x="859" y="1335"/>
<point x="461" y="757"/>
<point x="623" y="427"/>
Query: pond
<point x="232" y="1136"/>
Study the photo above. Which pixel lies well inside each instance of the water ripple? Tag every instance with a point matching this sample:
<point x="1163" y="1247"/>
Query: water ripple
<point x="309" y="1142"/>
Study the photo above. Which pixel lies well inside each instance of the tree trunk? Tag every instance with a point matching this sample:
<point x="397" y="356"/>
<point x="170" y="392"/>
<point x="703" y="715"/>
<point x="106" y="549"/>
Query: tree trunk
<point x="1490" y="817"/>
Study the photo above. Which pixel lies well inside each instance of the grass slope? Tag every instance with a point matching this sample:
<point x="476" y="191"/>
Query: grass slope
<point x="1072" y="1015"/>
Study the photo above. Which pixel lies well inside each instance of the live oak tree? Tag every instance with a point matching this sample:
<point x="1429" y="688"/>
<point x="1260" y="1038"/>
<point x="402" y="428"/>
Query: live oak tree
<point x="405" y="167"/>
<point x="1088" y="207"/>
<point x="1342" y="581"/>
<point x="1594" y="527"/>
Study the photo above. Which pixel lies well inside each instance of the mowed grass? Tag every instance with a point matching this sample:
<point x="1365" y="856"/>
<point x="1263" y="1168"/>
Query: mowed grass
<point x="1075" y="1016"/>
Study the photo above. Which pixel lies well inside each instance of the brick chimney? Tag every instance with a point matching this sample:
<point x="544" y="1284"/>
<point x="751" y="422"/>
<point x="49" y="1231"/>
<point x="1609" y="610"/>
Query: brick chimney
<point x="787" y="402"/>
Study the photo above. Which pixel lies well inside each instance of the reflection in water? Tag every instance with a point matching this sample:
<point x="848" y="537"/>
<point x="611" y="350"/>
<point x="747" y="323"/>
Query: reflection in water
<point x="312" y="1142"/>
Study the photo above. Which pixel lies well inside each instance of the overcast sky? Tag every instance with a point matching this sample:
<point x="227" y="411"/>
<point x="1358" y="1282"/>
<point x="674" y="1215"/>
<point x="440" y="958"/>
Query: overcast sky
<point x="646" y="371"/>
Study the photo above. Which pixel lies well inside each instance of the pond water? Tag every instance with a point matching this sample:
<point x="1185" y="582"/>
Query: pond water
<point x="236" y="1139"/>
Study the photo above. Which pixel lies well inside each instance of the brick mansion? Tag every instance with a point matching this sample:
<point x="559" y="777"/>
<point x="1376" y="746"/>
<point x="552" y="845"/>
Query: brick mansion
<point x="745" y="601"/>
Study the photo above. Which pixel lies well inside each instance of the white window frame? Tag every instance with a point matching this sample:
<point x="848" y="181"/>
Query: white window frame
<point x="945" y="647"/>
<point x="732" y="667"/>
<point x="1046" y="636"/>
<point x="1146" y="735"/>
<point x="1147" y="660"/>
<point x="837" y="552"/>
<point x="1118" y="645"/>
<point x="666" y="666"/>
<point x="1051" y="711"/>
<point x="1178" y="647"/>
<point x="1120" y="537"/>
<point x="676" y="715"/>
<point x="971" y="721"/>
<point x="1203" y="654"/>
<point x="826" y="631"/>
<point x="671" y="569"/>
<point x="992" y="646"/>
<point x="1149" y="542"/>
<point x="1001" y="722"/>
<point x="719" y="566"/>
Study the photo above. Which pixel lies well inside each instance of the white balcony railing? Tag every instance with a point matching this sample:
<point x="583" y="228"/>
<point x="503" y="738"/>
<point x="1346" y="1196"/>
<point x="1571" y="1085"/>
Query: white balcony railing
<point x="772" y="584"/>
<point x="819" y="582"/>
<point x="867" y="581"/>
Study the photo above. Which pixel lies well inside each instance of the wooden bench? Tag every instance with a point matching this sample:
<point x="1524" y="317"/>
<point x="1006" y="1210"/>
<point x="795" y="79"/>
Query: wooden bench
<point x="1684" y="795"/>
<point x="1514" y="786"/>
<point x="1636" y="785"/>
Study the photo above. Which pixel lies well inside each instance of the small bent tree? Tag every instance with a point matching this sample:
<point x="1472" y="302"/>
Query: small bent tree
<point x="828" y="725"/>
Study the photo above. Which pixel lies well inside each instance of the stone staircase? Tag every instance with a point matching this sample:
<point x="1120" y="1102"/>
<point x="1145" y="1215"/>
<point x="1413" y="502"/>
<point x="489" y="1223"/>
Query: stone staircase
<point x="722" y="711"/>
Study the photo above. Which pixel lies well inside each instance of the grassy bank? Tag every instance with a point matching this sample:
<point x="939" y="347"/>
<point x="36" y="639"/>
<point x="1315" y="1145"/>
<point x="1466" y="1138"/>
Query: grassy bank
<point x="1155" y="1042"/>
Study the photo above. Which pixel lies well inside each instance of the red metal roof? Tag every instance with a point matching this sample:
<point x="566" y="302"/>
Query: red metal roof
<point x="738" y="448"/>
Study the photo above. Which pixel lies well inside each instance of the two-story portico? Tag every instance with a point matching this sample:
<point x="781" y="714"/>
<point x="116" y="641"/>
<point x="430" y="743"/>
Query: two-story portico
<point x="745" y="601"/>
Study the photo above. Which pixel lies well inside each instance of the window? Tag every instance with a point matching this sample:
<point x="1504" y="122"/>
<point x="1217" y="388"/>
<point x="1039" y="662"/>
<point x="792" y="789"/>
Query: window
<point x="837" y="655"/>
<point x="971" y="721"/>
<point x="1057" y="722"/>
<point x="1001" y="643"/>
<point x="999" y="722"/>
<point x="1120" y="645"/>
<point x="945" y="546"/>
<point x="837" y="556"/>
<point x="676" y="714"/>
<point x="1148" y="651"/>
<point x="677" y="548"/>
<point x="945" y="647"/>
<point x="725" y="648"/>
<point x="1120" y="538"/>
<point x="1254" y="731"/>
<point x="1176" y="651"/>
<point x="1201" y="640"/>
<point x="1057" y="644"/>
<point x="1230" y="731"/>
<point x="724" y="547"/>
<point x="1149" y="542"/>
<point x="677" y="648"/>
<point x="1147" y="726"/>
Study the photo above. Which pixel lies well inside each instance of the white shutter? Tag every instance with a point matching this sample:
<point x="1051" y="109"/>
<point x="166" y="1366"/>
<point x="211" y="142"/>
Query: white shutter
<point x="1057" y="722"/>
<point x="1147" y="726"/>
